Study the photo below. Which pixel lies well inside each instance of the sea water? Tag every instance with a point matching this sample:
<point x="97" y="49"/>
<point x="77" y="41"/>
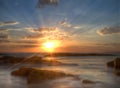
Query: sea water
<point x="91" y="68"/>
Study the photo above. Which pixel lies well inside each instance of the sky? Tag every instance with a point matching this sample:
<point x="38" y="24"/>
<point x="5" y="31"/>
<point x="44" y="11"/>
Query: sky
<point x="82" y="26"/>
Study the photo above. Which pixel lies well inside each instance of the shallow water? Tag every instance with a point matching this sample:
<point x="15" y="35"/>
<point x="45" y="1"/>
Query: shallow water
<point x="86" y="67"/>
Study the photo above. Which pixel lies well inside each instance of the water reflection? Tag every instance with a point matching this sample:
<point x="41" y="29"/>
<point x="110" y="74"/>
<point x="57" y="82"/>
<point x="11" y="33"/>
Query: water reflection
<point x="67" y="82"/>
<point x="8" y="81"/>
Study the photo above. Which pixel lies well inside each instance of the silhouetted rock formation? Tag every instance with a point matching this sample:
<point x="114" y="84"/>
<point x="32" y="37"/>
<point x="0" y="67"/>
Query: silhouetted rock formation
<point x="36" y="75"/>
<point x="85" y="81"/>
<point x="116" y="65"/>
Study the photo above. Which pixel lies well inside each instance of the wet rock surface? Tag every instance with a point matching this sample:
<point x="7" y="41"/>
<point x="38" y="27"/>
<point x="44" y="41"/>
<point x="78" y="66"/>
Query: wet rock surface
<point x="36" y="75"/>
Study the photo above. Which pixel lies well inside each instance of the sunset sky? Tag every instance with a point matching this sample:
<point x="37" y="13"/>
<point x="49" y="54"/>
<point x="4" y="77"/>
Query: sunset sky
<point x="82" y="26"/>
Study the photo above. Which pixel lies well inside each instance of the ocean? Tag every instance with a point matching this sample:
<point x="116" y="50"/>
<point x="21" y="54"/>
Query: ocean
<point x="85" y="67"/>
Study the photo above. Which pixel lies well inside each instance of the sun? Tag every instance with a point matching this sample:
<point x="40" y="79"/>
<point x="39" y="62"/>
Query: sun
<point x="50" y="46"/>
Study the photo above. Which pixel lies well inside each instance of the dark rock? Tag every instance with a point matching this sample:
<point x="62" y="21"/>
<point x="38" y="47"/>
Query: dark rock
<point x="110" y="64"/>
<point x="117" y="72"/>
<point x="85" y="81"/>
<point x="36" y="75"/>
<point x="116" y="65"/>
<point x="22" y="72"/>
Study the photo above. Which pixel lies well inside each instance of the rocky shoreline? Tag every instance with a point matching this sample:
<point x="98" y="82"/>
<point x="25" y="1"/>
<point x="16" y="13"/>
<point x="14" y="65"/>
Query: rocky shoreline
<point x="38" y="75"/>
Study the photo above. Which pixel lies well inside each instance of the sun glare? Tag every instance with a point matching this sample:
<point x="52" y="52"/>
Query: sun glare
<point x="49" y="46"/>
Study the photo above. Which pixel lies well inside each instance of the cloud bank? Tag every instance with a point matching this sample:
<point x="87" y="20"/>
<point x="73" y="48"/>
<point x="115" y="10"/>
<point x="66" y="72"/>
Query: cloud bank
<point x="49" y="33"/>
<point x="3" y="36"/>
<point x="8" y="23"/>
<point x="109" y="30"/>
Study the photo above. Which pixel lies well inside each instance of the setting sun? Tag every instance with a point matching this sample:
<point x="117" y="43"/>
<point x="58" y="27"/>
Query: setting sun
<point x="49" y="46"/>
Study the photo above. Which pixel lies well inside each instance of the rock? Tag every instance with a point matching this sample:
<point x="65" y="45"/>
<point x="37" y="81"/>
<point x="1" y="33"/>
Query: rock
<point x="85" y="81"/>
<point x="110" y="64"/>
<point x="116" y="65"/>
<point x="22" y="72"/>
<point x="35" y="75"/>
<point x="117" y="72"/>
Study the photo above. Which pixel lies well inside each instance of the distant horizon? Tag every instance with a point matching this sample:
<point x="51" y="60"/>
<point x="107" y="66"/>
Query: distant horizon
<point x="57" y="53"/>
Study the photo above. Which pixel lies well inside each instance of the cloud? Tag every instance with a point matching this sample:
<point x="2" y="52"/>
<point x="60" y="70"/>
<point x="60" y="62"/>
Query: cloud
<point x="21" y="32"/>
<point x="4" y="41"/>
<point x="3" y="36"/>
<point x="3" y="30"/>
<point x="64" y="23"/>
<point x="8" y="23"/>
<point x="109" y="30"/>
<point x="76" y="27"/>
<point x="36" y="36"/>
<point x="42" y="3"/>
<point x="24" y="41"/>
<point x="14" y="46"/>
<point x="30" y="29"/>
<point x="18" y="33"/>
<point x="109" y="44"/>
<point x="27" y="46"/>
<point x="50" y="33"/>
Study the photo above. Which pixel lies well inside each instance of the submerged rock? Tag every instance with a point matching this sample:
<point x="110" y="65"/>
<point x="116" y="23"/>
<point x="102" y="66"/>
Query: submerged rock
<point x="36" y="75"/>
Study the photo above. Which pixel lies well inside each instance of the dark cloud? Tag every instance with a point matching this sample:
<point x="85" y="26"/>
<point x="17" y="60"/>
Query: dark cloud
<point x="20" y="32"/>
<point x="8" y="23"/>
<point x="2" y="29"/>
<point x="3" y="36"/>
<point x="15" y="46"/>
<point x="26" y="42"/>
<point x="42" y="3"/>
<point x="4" y="41"/>
<point x="33" y="36"/>
<point x="25" y="46"/>
<point x="109" y="30"/>
<point x="47" y="29"/>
